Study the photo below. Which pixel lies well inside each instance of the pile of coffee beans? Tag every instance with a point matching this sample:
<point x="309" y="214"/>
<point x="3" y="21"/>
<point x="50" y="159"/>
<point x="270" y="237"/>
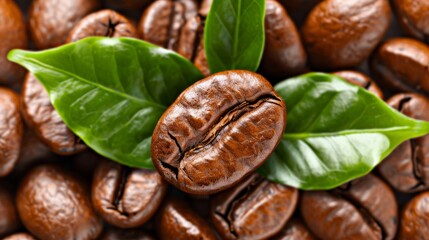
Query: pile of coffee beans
<point x="205" y="186"/>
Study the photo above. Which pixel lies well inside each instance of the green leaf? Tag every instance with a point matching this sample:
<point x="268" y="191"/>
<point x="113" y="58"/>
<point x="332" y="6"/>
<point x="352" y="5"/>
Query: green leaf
<point x="111" y="91"/>
<point x="234" y="35"/>
<point x="335" y="132"/>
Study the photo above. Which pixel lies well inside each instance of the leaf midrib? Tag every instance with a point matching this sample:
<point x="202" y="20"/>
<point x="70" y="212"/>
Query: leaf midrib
<point x="305" y="135"/>
<point x="140" y="101"/>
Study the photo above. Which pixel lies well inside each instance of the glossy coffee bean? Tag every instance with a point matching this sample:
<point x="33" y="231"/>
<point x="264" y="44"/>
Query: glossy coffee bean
<point x="176" y="220"/>
<point x="19" y="236"/>
<point x="361" y="80"/>
<point x="414" y="17"/>
<point x="54" y="204"/>
<point x="41" y="117"/>
<point x="13" y="35"/>
<point x="362" y="209"/>
<point x="284" y="54"/>
<point x="401" y="64"/>
<point x="126" y="197"/>
<point x="11" y="130"/>
<point x="52" y="20"/>
<point x="126" y="234"/>
<point x="107" y="23"/>
<point x="415" y="218"/>
<point x="9" y="220"/>
<point x="191" y="44"/>
<point x="294" y="230"/>
<point x="254" y="209"/>
<point x="343" y="33"/>
<point x="162" y="22"/>
<point x="218" y="131"/>
<point x="407" y="167"/>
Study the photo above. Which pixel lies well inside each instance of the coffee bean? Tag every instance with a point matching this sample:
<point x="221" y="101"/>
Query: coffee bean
<point x="407" y="167"/>
<point x="401" y="64"/>
<point x="361" y="80"/>
<point x="176" y="220"/>
<point x="294" y="230"/>
<point x="126" y="197"/>
<point x="54" y="204"/>
<point x="284" y="54"/>
<point x="11" y="130"/>
<point x="414" y="17"/>
<point x="13" y="34"/>
<point x="415" y="218"/>
<point x="52" y="20"/>
<point x="218" y="131"/>
<point x="343" y="33"/>
<point x="9" y="220"/>
<point x="126" y="234"/>
<point x="254" y="209"/>
<point x="19" y="236"/>
<point x="362" y="209"/>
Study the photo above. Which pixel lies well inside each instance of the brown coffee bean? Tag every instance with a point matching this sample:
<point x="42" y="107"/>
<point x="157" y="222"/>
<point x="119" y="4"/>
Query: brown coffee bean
<point x="126" y="234"/>
<point x="407" y="167"/>
<point x="106" y="23"/>
<point x="218" y="131"/>
<point x="415" y="218"/>
<point x="19" y="236"/>
<point x="54" y="204"/>
<point x="254" y="209"/>
<point x="11" y="130"/>
<point x="13" y="35"/>
<point x="362" y="209"/>
<point x="52" y="20"/>
<point x="361" y="80"/>
<point x="191" y="44"/>
<point x="41" y="116"/>
<point x="414" y="17"/>
<point x="343" y="33"/>
<point x="205" y="7"/>
<point x="401" y="64"/>
<point x="126" y="197"/>
<point x="294" y="230"/>
<point x="162" y="22"/>
<point x="176" y="220"/>
<point x="284" y="54"/>
<point x="9" y="221"/>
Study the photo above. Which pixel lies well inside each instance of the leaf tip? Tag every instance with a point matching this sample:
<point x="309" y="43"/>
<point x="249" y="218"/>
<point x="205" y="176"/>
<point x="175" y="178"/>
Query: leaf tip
<point x="16" y="55"/>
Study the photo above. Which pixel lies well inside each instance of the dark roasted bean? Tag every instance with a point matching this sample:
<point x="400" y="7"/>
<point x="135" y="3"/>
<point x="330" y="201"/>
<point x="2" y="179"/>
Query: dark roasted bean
<point x="294" y="230"/>
<point x="414" y="17"/>
<point x="126" y="234"/>
<point x="415" y="219"/>
<point x="362" y="209"/>
<point x="54" y="204"/>
<point x="407" y="167"/>
<point x="19" y="236"/>
<point x="218" y="131"/>
<point x="254" y="209"/>
<point x="9" y="221"/>
<point x="360" y="80"/>
<point x="126" y="197"/>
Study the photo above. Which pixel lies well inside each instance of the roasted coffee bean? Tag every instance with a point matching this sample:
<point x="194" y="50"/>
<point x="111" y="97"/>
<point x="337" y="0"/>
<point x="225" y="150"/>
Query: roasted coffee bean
<point x="41" y="116"/>
<point x="407" y="167"/>
<point x="205" y="7"/>
<point x="294" y="230"/>
<point x="126" y="197"/>
<point x="414" y="17"/>
<point x="54" y="204"/>
<point x="343" y="33"/>
<point x="191" y="44"/>
<point x="52" y="20"/>
<point x="401" y="64"/>
<point x="254" y="209"/>
<point x="362" y="209"/>
<point x="360" y="80"/>
<point x="126" y="234"/>
<point x="176" y="220"/>
<point x="284" y="54"/>
<point x="415" y="218"/>
<point x="218" y="131"/>
<point x="13" y="35"/>
<point x="19" y="236"/>
<point x="106" y="23"/>
<point x="162" y="22"/>
<point x="9" y="221"/>
<point x="11" y="130"/>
